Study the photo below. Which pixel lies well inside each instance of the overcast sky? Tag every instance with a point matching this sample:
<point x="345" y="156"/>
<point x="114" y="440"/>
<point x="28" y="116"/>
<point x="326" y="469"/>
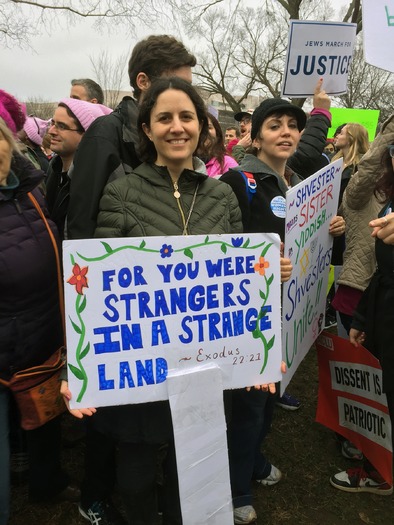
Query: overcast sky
<point x="46" y="70"/>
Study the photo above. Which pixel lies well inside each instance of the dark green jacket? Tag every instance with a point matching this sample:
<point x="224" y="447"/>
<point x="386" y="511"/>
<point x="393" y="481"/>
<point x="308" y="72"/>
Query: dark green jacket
<point x="144" y="204"/>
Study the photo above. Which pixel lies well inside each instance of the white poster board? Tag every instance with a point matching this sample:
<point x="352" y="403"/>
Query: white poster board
<point x="137" y="308"/>
<point x="378" y="33"/>
<point x="310" y="207"/>
<point x="318" y="50"/>
<point x="196" y="400"/>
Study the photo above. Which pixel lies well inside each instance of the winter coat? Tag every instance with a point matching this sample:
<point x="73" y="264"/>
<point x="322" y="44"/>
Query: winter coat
<point x="30" y="322"/>
<point x="144" y="205"/>
<point x="309" y="156"/>
<point x="58" y="193"/>
<point x="214" y="168"/>
<point x="106" y="151"/>
<point x="359" y="206"/>
<point x="338" y="246"/>
<point x="266" y="210"/>
<point x="375" y="311"/>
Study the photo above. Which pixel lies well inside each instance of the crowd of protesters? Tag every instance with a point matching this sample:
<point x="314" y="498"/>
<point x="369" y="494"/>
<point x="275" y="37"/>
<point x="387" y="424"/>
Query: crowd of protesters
<point x="160" y="164"/>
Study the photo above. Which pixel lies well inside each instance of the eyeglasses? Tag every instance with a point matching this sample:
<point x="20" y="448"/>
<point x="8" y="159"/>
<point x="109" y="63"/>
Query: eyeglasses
<point x="245" y="120"/>
<point x="391" y="151"/>
<point x="61" y="126"/>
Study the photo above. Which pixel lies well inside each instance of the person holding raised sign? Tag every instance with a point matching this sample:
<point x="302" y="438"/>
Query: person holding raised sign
<point x="168" y="194"/>
<point x="309" y="156"/>
<point x="260" y="184"/>
<point x="276" y="131"/>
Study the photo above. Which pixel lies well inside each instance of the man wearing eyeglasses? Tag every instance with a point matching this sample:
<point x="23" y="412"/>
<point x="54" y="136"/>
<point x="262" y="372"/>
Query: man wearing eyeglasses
<point x="245" y="123"/>
<point x="71" y="119"/>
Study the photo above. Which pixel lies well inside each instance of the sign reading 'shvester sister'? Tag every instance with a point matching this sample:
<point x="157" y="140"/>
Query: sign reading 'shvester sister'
<point x="310" y="207"/>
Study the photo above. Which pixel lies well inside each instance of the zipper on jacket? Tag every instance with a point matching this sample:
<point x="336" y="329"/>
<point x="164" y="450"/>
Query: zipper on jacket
<point x="177" y="196"/>
<point x="18" y="206"/>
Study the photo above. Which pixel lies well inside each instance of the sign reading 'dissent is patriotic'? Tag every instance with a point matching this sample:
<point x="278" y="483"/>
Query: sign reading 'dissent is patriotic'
<point x="351" y="400"/>
<point x="310" y="207"/>
<point x="318" y="50"/>
<point x="139" y="307"/>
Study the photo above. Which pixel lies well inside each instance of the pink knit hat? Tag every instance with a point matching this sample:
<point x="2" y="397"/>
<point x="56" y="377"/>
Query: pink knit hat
<point x="35" y="129"/>
<point x="86" y="112"/>
<point x="12" y="112"/>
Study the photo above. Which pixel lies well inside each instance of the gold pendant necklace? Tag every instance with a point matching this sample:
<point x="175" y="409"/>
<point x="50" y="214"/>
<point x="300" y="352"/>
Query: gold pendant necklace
<point x="176" y="192"/>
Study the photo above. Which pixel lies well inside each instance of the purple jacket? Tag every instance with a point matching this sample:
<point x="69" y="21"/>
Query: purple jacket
<point x="30" y="319"/>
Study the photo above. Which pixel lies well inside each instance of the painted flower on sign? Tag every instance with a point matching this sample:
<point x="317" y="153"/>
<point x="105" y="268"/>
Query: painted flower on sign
<point x="237" y="241"/>
<point x="78" y="278"/>
<point x="261" y="266"/>
<point x="166" y="250"/>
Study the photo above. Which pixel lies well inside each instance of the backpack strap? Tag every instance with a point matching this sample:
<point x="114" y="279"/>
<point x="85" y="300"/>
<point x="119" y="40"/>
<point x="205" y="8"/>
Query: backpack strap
<point x="250" y="184"/>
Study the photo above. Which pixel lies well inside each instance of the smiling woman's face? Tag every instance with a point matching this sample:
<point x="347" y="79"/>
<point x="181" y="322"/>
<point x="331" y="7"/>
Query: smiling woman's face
<point x="5" y="160"/>
<point x="278" y="138"/>
<point x="174" y="129"/>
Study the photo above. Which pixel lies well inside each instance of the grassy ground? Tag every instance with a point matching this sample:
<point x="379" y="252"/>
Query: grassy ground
<point x="306" y="453"/>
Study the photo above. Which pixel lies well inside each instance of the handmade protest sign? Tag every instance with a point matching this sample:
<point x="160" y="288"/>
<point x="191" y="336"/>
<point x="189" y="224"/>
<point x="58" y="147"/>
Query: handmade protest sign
<point x="366" y="117"/>
<point x="136" y="308"/>
<point x="318" y="50"/>
<point x="351" y="400"/>
<point x="378" y="33"/>
<point x="310" y="206"/>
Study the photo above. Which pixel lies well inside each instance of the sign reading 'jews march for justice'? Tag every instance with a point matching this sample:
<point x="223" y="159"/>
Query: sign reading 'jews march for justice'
<point x="318" y="50"/>
<point x="137" y="308"/>
<point x="310" y="206"/>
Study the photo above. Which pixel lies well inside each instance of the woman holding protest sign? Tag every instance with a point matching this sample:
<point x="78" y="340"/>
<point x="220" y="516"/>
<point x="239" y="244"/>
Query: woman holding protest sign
<point x="260" y="188"/>
<point x="169" y="194"/>
<point x="372" y="326"/>
<point x="260" y="184"/>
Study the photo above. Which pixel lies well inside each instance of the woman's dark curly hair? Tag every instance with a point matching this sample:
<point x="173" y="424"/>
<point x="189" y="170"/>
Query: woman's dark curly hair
<point x="384" y="188"/>
<point x="213" y="147"/>
<point x="147" y="150"/>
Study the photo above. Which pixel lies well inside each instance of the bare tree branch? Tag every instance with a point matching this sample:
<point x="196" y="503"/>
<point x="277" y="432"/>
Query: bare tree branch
<point x="245" y="49"/>
<point x="21" y="19"/>
<point x="109" y="73"/>
<point x="108" y="13"/>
